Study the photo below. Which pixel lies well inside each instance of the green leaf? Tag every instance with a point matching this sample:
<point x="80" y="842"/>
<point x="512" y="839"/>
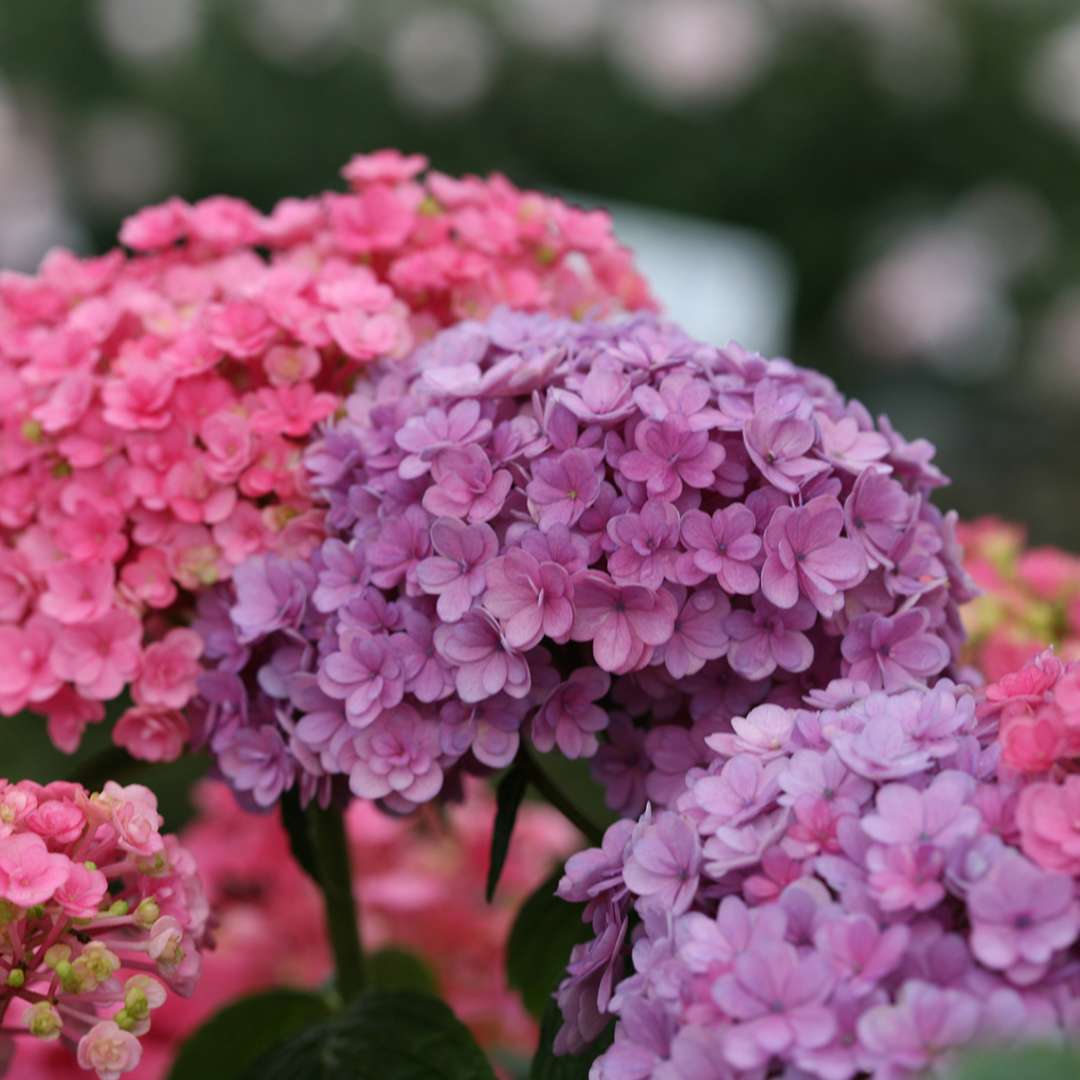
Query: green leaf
<point x="297" y="826"/>
<point x="543" y="934"/>
<point x="547" y="1066"/>
<point x="396" y="969"/>
<point x="382" y="1036"/>
<point x="239" y="1034"/>
<point x="1035" y="1062"/>
<point x="508" y="798"/>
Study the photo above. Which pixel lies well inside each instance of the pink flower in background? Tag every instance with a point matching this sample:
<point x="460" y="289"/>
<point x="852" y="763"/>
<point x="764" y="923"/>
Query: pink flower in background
<point x="101" y="657"/>
<point x="152" y="732"/>
<point x="161" y="399"/>
<point x="84" y="940"/>
<point x="1048" y="815"/>
<point x="169" y="669"/>
<point x="1026" y="604"/>
<point x="78" y="592"/>
<point x="421" y="881"/>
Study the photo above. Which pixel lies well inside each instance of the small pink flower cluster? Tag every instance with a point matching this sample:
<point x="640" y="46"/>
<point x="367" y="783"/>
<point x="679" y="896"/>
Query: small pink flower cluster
<point x="156" y="404"/>
<point x="542" y="529"/>
<point x="856" y="887"/>
<point x="1030" y="598"/>
<point x="421" y="884"/>
<point x="94" y="903"/>
<point x="1038" y="713"/>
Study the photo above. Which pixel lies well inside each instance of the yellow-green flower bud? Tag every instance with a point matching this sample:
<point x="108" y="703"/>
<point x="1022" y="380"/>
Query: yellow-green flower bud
<point x="135" y="1002"/>
<point x="44" y="1021"/>
<point x="147" y="913"/>
<point x="56" y="955"/>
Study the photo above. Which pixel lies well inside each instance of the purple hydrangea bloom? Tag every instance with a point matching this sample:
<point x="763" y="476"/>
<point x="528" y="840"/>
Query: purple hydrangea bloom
<point x="843" y="922"/>
<point x="578" y="534"/>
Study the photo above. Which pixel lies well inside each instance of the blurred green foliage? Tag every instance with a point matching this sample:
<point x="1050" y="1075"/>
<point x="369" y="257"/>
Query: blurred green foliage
<point x="843" y="135"/>
<point x="846" y="134"/>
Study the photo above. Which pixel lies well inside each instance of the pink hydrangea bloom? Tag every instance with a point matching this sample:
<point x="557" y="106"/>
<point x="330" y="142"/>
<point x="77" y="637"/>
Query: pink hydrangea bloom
<point x="160" y="398"/>
<point x="1048" y="815"/>
<point x="80" y="919"/>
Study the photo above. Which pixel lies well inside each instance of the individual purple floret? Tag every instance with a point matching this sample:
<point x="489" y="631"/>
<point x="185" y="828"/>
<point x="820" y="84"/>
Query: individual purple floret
<point x="579" y="535"/>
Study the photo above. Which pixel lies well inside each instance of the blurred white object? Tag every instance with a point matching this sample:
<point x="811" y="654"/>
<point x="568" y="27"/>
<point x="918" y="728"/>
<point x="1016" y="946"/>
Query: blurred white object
<point x="32" y="216"/>
<point x="691" y="51"/>
<point x="560" y="26"/>
<point x="717" y="282"/>
<point x="304" y="34"/>
<point x="149" y="31"/>
<point x="442" y="59"/>
<point x="1053" y="81"/>
<point x="128" y="156"/>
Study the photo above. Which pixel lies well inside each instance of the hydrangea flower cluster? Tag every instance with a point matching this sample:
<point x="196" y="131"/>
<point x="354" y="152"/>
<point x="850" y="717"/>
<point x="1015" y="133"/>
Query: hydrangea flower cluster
<point x="1030" y="598"/>
<point x="421" y="882"/>
<point x="839" y="892"/>
<point x="1037" y="710"/>
<point x="99" y="912"/>
<point x="157" y="403"/>
<point x="575" y="532"/>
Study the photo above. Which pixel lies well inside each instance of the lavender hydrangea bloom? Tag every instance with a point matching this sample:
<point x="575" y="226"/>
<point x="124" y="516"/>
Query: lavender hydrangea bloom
<point x="577" y="534"/>
<point x="803" y="912"/>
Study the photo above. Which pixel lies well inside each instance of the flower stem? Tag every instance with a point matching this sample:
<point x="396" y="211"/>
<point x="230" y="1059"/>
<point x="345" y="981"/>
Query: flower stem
<point x="558" y="798"/>
<point x="327" y="829"/>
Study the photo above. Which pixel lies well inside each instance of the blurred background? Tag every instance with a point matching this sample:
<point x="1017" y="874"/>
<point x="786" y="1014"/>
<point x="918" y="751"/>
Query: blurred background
<point x="884" y="189"/>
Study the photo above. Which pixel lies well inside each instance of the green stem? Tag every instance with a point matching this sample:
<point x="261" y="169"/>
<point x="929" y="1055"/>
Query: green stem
<point x="328" y="838"/>
<point x="554" y="795"/>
